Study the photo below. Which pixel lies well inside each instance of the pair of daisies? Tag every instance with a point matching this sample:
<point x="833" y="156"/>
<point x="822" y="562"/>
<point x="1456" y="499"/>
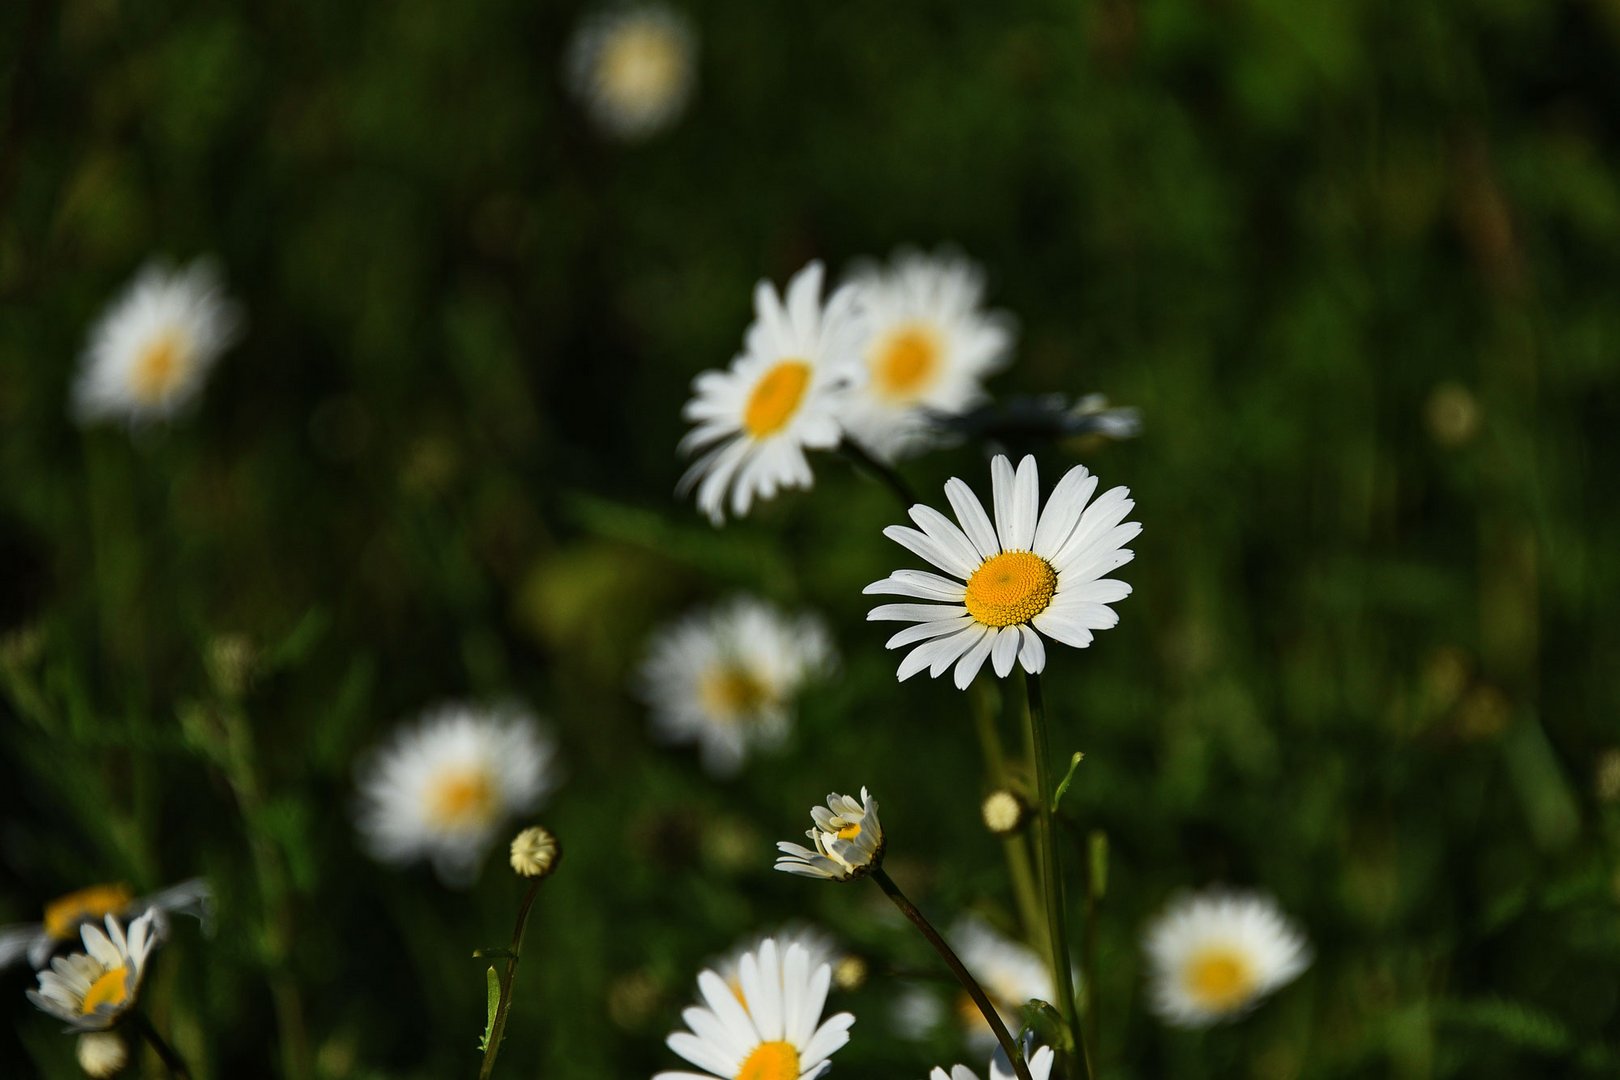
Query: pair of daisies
<point x="874" y="363"/>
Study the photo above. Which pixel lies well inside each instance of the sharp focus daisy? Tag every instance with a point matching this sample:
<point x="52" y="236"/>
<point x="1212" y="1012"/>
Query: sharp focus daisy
<point x="1040" y="1067"/>
<point x="777" y="1035"/>
<point x="66" y="914"/>
<point x="1214" y="954"/>
<point x="1010" y="972"/>
<point x="442" y="788"/>
<point x="848" y="841"/>
<point x="726" y="678"/>
<point x="1032" y="574"/>
<point x="91" y="990"/>
<point x="153" y="347"/>
<point x="633" y="67"/>
<point x="931" y="346"/>
<point x="781" y="396"/>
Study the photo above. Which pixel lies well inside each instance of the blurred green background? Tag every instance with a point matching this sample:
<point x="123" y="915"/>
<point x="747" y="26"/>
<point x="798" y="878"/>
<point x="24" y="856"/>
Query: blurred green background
<point x="1354" y="261"/>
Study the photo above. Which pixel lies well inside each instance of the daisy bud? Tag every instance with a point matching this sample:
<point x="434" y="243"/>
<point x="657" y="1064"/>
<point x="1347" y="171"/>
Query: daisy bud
<point x="535" y="852"/>
<point x="1003" y="812"/>
<point x="102" y="1054"/>
<point x="849" y="973"/>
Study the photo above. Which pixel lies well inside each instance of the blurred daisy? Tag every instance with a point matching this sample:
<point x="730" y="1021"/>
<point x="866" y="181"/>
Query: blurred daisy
<point x="1034" y="573"/>
<point x="102" y="1054"/>
<point x="931" y="346"/>
<point x="1040" y="1066"/>
<point x="1214" y="954"/>
<point x="152" y="348"/>
<point x="633" y="68"/>
<point x="64" y="915"/>
<point x="91" y="990"/>
<point x="726" y="678"/>
<point x="442" y="788"/>
<point x="781" y="396"/>
<point x="848" y="841"/>
<point x="817" y="944"/>
<point x="1010" y="972"/>
<point x="778" y="1035"/>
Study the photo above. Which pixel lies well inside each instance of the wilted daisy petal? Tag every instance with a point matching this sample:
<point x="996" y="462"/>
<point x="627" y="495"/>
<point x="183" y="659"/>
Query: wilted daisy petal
<point x="633" y="67"/>
<point x="442" y="788"/>
<point x="726" y="678"/>
<point x="91" y="990"/>
<point x="1033" y="573"/>
<point x="781" y="396"/>
<point x="847" y="839"/>
<point x="931" y="346"/>
<point x="1213" y="955"/>
<point x="772" y="1029"/>
<point x="151" y="350"/>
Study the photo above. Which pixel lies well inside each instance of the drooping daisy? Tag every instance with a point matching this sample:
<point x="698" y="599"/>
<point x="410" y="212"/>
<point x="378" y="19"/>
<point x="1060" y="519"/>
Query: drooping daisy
<point x="92" y="989"/>
<point x="1040" y="1066"/>
<point x="1010" y="972"/>
<point x="442" y="788"/>
<point x="633" y="67"/>
<point x="1213" y="955"/>
<point x="779" y="1035"/>
<point x="781" y="395"/>
<point x="66" y="914"/>
<point x="152" y="348"/>
<point x="726" y="678"/>
<point x="817" y="944"/>
<point x="1033" y="573"/>
<point x="932" y="344"/>
<point x="848" y="841"/>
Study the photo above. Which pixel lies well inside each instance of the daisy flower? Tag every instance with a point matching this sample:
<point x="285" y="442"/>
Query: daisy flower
<point x="782" y="395"/>
<point x="64" y="915"/>
<point x="442" y="788"/>
<point x="726" y="678"/>
<point x="633" y="67"/>
<point x="1214" y="954"/>
<point x="932" y="344"/>
<point x="848" y="841"/>
<point x="152" y="348"/>
<point x="778" y="1035"/>
<point x="1010" y="972"/>
<point x="90" y="990"/>
<point x="1040" y="1066"/>
<point x="1034" y="573"/>
<point x="818" y="947"/>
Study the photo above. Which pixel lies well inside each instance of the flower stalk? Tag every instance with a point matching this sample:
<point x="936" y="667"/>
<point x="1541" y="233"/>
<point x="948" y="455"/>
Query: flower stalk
<point x="858" y="456"/>
<point x="171" y="1059"/>
<point x="497" y="1028"/>
<point x="952" y="961"/>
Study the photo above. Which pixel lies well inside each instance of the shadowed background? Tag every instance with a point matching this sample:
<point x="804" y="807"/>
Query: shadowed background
<point x="1354" y="262"/>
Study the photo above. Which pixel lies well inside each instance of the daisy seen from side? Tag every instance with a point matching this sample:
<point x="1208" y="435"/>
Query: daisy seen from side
<point x="782" y="395"/>
<point x="847" y="839"/>
<point x="90" y="991"/>
<point x="1033" y="574"/>
<point x="1213" y="955"/>
<point x="930" y="347"/>
<point x="778" y="1035"/>
<point x="441" y="789"/>
<point x="726" y="678"/>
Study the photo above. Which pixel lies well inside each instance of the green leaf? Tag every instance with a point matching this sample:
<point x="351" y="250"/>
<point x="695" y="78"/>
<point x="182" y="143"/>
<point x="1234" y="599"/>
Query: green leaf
<point x="492" y="985"/>
<point x="1047" y="1024"/>
<point x="1074" y="763"/>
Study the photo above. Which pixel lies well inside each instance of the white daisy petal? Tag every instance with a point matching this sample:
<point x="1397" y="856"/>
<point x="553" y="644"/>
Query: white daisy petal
<point x="972" y="660"/>
<point x="1213" y="955"/>
<point x="925" y="546"/>
<point x="1063" y="511"/>
<point x="918" y="583"/>
<point x="975" y="522"/>
<point x="1025" y="507"/>
<point x="1032" y="653"/>
<point x="944" y="532"/>
<point x="1004" y="652"/>
<point x="926" y="630"/>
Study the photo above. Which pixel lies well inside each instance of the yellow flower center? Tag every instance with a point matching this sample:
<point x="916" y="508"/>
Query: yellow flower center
<point x="771" y="1061"/>
<point x="1010" y="588"/>
<point x="731" y="693"/>
<point x="64" y="914"/>
<point x="776" y="398"/>
<point x="1220" y="979"/>
<point x="905" y="363"/>
<point x="640" y="65"/>
<point x="849" y="832"/>
<point x="463" y="797"/>
<point x="158" y="366"/>
<point x="110" y="989"/>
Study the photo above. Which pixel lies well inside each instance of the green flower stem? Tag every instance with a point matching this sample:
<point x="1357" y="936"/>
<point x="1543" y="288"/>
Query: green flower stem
<point x="171" y="1059"/>
<point x="497" y="1029"/>
<point x="1051" y="873"/>
<point x="963" y="976"/>
<point x="1019" y="869"/>
<point x="858" y="456"/>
